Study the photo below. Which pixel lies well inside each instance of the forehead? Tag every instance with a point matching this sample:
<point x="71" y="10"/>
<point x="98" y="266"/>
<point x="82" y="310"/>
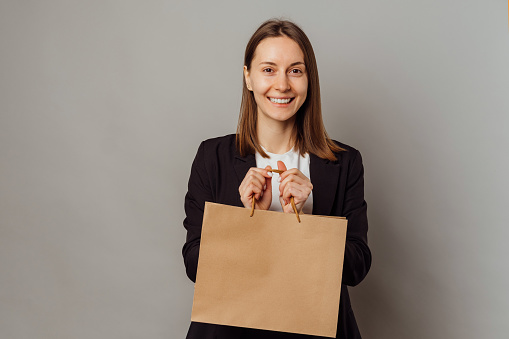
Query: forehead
<point x="280" y="50"/>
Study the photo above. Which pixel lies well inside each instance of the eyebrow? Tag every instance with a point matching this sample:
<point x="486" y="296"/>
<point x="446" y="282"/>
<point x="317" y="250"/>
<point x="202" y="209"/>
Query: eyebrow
<point x="274" y="64"/>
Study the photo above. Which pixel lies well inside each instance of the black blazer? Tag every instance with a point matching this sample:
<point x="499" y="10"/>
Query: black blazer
<point x="338" y="190"/>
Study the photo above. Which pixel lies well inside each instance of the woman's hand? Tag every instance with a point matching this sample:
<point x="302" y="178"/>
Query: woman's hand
<point x="293" y="184"/>
<point x="257" y="182"/>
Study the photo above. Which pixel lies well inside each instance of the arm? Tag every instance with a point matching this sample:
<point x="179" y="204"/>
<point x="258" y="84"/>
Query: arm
<point x="198" y="192"/>
<point x="357" y="254"/>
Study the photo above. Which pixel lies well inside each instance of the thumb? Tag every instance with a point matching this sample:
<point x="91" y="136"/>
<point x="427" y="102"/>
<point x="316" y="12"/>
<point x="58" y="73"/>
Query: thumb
<point x="268" y="186"/>
<point x="267" y="192"/>
<point x="268" y="181"/>
<point x="281" y="166"/>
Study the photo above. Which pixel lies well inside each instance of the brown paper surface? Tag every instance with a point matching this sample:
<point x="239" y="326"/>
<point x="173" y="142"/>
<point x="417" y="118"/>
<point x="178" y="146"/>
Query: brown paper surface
<point x="269" y="271"/>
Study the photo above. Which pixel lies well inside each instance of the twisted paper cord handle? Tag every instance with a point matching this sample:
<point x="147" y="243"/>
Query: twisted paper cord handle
<point x="292" y="201"/>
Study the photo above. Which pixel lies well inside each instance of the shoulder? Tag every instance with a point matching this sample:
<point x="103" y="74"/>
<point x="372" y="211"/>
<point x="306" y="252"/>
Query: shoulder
<point x="349" y="154"/>
<point x="219" y="147"/>
<point x="217" y="150"/>
<point x="350" y="160"/>
<point x="223" y="143"/>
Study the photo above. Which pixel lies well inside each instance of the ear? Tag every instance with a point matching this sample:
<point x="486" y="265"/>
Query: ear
<point x="247" y="78"/>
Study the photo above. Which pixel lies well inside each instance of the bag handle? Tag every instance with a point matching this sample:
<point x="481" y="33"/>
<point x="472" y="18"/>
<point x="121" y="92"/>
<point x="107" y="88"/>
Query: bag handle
<point x="292" y="201"/>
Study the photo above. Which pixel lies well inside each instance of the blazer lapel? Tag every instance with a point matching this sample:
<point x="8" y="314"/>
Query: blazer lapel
<point x="324" y="177"/>
<point x="242" y="165"/>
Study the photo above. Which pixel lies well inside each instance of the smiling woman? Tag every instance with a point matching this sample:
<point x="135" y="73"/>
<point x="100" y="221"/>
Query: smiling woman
<point x="280" y="126"/>
<point x="278" y="80"/>
<point x="279" y="59"/>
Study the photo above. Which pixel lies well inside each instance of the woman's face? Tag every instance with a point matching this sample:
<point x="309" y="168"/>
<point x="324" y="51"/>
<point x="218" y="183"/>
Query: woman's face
<point x="277" y="78"/>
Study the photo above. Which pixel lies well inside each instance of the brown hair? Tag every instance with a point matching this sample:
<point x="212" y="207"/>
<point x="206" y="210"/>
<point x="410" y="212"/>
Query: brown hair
<point x="310" y="132"/>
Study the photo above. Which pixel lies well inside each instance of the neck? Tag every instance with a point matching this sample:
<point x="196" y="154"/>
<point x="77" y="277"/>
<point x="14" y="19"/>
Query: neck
<point x="277" y="137"/>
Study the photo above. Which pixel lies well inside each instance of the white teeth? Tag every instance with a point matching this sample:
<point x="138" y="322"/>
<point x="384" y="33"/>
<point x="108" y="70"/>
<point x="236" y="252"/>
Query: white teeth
<point x="280" y="101"/>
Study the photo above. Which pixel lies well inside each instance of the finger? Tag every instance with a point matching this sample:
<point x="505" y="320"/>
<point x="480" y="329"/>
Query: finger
<point x="283" y="203"/>
<point x="285" y="195"/>
<point x="257" y="193"/>
<point x="268" y="181"/>
<point x="263" y="171"/>
<point x="266" y="199"/>
<point x="288" y="208"/>
<point x="266" y="195"/>
<point x="297" y="180"/>
<point x="253" y="177"/>
<point x="281" y="165"/>
<point x="257" y="177"/>
<point x="297" y="192"/>
<point x="253" y="188"/>
<point x="250" y="180"/>
<point x="293" y="171"/>
<point x="287" y="205"/>
<point x="254" y="172"/>
<point x="268" y="185"/>
<point x="269" y="172"/>
<point x="250" y="191"/>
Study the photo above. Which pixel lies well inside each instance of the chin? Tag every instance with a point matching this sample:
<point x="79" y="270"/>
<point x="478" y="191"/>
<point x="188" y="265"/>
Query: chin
<point x="282" y="117"/>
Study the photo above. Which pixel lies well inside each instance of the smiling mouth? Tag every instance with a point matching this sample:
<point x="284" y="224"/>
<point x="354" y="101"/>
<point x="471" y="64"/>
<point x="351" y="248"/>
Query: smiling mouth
<point x="280" y="101"/>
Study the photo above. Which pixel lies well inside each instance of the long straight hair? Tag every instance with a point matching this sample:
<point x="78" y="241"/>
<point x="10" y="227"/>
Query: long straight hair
<point x="311" y="136"/>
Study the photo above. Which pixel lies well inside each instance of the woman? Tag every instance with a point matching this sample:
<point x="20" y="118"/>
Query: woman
<point x="281" y="127"/>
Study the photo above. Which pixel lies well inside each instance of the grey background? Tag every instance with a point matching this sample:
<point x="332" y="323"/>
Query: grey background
<point x="103" y="105"/>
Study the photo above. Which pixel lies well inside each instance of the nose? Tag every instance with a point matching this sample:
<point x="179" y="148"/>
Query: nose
<point x="282" y="83"/>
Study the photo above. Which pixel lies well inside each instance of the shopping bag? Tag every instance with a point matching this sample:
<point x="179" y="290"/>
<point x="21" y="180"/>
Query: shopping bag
<point x="269" y="271"/>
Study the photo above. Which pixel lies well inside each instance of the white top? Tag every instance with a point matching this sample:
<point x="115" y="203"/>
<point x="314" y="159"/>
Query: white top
<point x="291" y="159"/>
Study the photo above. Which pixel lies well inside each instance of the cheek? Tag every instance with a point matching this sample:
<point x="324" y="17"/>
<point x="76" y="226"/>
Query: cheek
<point x="303" y="92"/>
<point x="259" y="93"/>
<point x="305" y="86"/>
<point x="304" y="97"/>
<point x="300" y="86"/>
<point x="261" y="86"/>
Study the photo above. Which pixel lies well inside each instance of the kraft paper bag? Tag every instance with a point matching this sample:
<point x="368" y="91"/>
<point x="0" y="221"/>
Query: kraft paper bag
<point x="269" y="271"/>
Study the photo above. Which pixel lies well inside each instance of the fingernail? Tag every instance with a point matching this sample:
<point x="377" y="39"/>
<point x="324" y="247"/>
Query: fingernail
<point x="269" y="173"/>
<point x="278" y="179"/>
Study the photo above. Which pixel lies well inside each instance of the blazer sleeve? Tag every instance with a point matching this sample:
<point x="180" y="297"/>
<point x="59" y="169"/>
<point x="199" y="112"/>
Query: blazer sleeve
<point x="198" y="192"/>
<point x="357" y="254"/>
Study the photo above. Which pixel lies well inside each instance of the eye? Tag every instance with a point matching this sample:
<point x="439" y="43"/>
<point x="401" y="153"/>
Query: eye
<point x="268" y="70"/>
<point x="296" y="71"/>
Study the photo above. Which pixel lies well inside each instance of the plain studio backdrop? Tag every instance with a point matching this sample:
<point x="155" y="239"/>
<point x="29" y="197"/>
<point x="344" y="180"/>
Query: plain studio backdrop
<point x="104" y="103"/>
